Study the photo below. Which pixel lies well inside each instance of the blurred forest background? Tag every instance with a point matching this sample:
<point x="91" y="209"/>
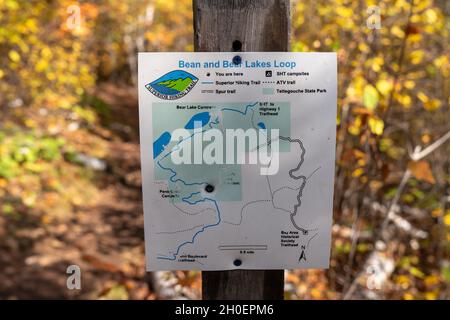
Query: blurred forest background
<point x="70" y="189"/>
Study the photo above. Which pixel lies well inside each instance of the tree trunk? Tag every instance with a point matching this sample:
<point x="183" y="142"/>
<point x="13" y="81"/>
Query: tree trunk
<point x="242" y="25"/>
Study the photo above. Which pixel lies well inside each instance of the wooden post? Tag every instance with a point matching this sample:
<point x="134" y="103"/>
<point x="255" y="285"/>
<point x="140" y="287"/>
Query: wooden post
<point x="242" y="25"/>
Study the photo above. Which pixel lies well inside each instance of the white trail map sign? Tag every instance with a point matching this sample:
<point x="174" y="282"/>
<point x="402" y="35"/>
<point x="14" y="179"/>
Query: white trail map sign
<point x="237" y="159"/>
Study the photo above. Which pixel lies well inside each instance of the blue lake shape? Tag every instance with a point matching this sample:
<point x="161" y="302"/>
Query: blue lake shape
<point x="160" y="143"/>
<point x="202" y="117"/>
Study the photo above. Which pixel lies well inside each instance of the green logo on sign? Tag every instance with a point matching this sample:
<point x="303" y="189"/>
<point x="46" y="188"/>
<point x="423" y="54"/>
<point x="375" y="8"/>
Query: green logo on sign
<point x="172" y="85"/>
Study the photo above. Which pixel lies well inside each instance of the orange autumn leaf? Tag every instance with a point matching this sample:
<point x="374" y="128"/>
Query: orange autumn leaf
<point x="421" y="170"/>
<point x="362" y="111"/>
<point x="101" y="264"/>
<point x="292" y="278"/>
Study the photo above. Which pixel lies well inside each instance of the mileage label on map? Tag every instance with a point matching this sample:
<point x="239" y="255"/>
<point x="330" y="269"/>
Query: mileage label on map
<point x="237" y="159"/>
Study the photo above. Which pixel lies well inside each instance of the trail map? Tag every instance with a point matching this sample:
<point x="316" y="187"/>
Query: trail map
<point x="237" y="159"/>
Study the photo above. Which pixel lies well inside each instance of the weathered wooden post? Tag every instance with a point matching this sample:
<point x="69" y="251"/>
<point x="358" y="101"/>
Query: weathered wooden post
<point x="242" y="25"/>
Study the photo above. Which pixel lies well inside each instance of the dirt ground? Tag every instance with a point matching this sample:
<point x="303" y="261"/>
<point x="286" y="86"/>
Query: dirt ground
<point x="106" y="239"/>
<point x="104" y="236"/>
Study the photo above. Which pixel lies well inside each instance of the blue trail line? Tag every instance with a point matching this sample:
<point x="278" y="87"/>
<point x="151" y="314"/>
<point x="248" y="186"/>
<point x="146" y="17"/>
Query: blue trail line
<point x="174" y="173"/>
<point x="219" y="219"/>
<point x="239" y="111"/>
<point x="213" y="122"/>
<point x="171" y="178"/>
<point x="186" y="199"/>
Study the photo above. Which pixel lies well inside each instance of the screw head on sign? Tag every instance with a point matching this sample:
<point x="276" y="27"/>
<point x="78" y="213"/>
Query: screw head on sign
<point x="209" y="188"/>
<point x="237" y="60"/>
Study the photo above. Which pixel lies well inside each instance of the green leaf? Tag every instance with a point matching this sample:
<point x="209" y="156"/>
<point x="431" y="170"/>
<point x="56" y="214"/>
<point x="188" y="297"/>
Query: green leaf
<point x="445" y="271"/>
<point x="118" y="292"/>
<point x="8" y="167"/>
<point x="371" y="97"/>
<point x="8" y="209"/>
<point x="416" y="272"/>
